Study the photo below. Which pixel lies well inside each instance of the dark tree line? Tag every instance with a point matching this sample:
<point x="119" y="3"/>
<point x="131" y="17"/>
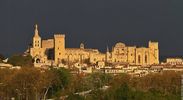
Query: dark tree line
<point x="29" y="83"/>
<point x="162" y="86"/>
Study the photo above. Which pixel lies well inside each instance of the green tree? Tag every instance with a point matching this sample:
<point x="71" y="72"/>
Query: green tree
<point x="75" y="97"/>
<point x="122" y="93"/>
<point x="63" y="82"/>
<point x="20" y="60"/>
<point x="1" y="58"/>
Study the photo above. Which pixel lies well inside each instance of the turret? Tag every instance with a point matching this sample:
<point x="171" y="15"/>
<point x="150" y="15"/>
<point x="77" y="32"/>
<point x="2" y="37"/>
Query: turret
<point x="82" y="46"/>
<point x="107" y="54"/>
<point x="59" y="42"/>
<point x="154" y="52"/>
<point x="107" y="49"/>
<point x="36" y="38"/>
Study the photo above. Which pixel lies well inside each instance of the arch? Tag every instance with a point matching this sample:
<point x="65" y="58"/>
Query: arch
<point x="139" y="59"/>
<point x="120" y="45"/>
<point x="145" y="58"/>
<point x="37" y="60"/>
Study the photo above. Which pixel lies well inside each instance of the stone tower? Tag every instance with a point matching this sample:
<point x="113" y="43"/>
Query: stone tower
<point x="153" y="53"/>
<point x="108" y="55"/>
<point x="82" y="46"/>
<point x="59" y="42"/>
<point x="37" y="52"/>
<point x="36" y="38"/>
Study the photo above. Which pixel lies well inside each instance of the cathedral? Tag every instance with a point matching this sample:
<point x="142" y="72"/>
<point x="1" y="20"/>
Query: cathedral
<point x="53" y="51"/>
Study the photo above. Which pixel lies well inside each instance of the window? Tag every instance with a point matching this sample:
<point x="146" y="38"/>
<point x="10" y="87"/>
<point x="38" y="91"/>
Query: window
<point x="139" y="59"/>
<point x="37" y="60"/>
<point x="117" y="51"/>
<point x="145" y="58"/>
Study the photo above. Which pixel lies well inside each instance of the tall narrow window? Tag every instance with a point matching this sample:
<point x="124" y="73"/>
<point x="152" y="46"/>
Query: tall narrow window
<point x="145" y="58"/>
<point x="139" y="59"/>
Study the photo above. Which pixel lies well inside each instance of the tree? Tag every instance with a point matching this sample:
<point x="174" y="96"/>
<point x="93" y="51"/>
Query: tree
<point x="31" y="83"/>
<point x="24" y="81"/>
<point x="75" y="97"/>
<point x="1" y="58"/>
<point x="63" y="80"/>
<point x="100" y="79"/>
<point x="5" y="77"/>
<point x="122" y="93"/>
<point x="19" y="60"/>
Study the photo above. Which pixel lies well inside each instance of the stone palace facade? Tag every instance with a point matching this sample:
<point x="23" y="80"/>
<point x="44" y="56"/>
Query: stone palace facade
<point x="53" y="51"/>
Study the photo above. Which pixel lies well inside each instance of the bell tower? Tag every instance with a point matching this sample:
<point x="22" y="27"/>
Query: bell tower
<point x="108" y="54"/>
<point x="154" y="52"/>
<point x="82" y="46"/>
<point x="59" y="42"/>
<point x="36" y="38"/>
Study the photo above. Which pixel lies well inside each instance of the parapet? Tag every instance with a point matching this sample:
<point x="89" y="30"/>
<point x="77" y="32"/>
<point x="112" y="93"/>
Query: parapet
<point x="58" y="35"/>
<point x="153" y="42"/>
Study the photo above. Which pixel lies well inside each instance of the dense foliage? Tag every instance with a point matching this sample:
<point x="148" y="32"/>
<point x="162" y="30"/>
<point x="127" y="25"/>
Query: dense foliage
<point x="34" y="84"/>
<point x="1" y="58"/>
<point x="31" y="83"/>
<point x="159" y="86"/>
<point x="20" y="60"/>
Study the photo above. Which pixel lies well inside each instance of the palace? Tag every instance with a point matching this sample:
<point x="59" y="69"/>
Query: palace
<point x="53" y="51"/>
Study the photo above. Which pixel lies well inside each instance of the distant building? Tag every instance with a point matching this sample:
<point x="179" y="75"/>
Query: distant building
<point x="53" y="51"/>
<point x="174" y="61"/>
<point x="134" y="55"/>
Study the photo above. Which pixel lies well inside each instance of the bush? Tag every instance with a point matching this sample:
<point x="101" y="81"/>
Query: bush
<point x="19" y="60"/>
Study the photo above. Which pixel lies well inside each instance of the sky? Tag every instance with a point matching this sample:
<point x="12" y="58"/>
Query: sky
<point x="96" y="23"/>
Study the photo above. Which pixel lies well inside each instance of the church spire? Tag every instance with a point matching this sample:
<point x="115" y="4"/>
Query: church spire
<point x="82" y="46"/>
<point x="36" y="32"/>
<point x="107" y="48"/>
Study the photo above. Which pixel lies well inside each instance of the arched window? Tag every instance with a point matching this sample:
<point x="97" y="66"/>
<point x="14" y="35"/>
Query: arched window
<point x="37" y="60"/>
<point x="139" y="59"/>
<point x="145" y="58"/>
